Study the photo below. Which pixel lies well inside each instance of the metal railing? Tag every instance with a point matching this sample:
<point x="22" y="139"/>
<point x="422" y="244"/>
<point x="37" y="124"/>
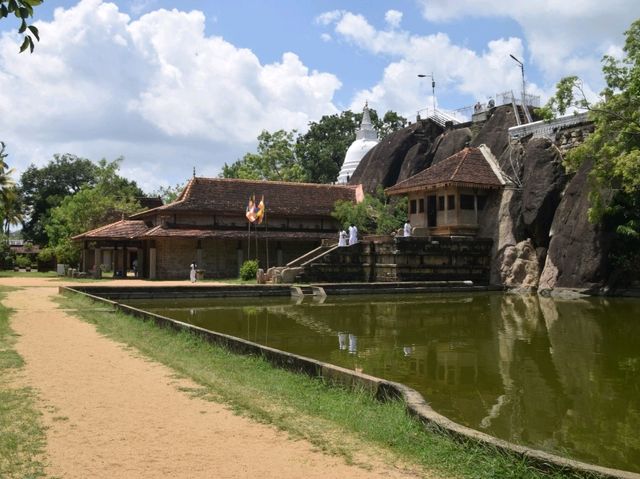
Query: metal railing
<point x="547" y="128"/>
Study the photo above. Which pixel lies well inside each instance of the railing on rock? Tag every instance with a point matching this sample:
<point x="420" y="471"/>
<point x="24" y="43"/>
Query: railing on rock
<point x="547" y="128"/>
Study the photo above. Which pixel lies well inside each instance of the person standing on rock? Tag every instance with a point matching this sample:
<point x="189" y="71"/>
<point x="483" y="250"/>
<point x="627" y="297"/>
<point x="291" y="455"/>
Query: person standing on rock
<point x="342" y="238"/>
<point x="407" y="229"/>
<point x="353" y="234"/>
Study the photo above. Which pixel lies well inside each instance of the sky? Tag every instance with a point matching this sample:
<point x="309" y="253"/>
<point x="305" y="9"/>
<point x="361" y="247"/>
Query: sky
<point x="173" y="86"/>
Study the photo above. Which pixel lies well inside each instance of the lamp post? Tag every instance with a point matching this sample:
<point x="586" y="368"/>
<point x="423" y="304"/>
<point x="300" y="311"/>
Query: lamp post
<point x="524" y="99"/>
<point x="433" y="87"/>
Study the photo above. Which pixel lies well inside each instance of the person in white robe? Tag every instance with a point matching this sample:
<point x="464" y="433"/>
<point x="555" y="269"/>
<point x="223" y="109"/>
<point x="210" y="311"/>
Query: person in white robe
<point x="192" y="273"/>
<point x="407" y="229"/>
<point x="353" y="235"/>
<point x="342" y="238"/>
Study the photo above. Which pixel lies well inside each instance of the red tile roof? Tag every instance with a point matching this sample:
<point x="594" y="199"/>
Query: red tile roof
<point x="123" y="229"/>
<point x="468" y="167"/>
<point x="203" y="233"/>
<point x="230" y="196"/>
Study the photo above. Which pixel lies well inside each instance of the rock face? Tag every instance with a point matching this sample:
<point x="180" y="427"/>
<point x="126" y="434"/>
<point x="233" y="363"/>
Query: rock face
<point x="541" y="235"/>
<point x="543" y="180"/>
<point x="396" y="157"/>
<point x="577" y="251"/>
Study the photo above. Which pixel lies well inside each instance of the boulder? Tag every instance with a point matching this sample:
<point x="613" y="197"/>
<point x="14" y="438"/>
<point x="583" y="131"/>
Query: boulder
<point x="382" y="164"/>
<point x="397" y="157"/>
<point x="495" y="131"/>
<point x="520" y="266"/>
<point x="577" y="254"/>
<point x="450" y="143"/>
<point x="543" y="181"/>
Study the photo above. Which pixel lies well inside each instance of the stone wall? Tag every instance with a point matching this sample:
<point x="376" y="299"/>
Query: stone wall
<point x="383" y="258"/>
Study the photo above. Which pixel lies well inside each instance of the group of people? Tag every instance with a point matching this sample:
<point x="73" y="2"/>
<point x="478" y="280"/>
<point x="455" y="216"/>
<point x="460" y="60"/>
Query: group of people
<point x="351" y="237"/>
<point x="347" y="239"/>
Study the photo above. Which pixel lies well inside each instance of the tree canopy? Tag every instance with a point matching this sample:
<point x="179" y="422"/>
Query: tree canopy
<point x="93" y="205"/>
<point x="376" y="214"/>
<point x="315" y="156"/>
<point x="22" y="10"/>
<point x="45" y="188"/>
<point x="613" y="147"/>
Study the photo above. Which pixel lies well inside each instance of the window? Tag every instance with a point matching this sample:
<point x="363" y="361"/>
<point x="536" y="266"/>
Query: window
<point x="421" y="205"/>
<point x="466" y="202"/>
<point x="482" y="200"/>
<point x="440" y="203"/>
<point x="412" y="208"/>
<point x="451" y="202"/>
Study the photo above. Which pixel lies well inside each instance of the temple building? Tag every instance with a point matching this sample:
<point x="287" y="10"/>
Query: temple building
<point x="208" y="224"/>
<point x="448" y="197"/>
<point x="366" y="138"/>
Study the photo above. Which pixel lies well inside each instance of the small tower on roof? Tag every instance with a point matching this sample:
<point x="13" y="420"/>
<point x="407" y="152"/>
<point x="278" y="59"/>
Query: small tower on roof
<point x="366" y="138"/>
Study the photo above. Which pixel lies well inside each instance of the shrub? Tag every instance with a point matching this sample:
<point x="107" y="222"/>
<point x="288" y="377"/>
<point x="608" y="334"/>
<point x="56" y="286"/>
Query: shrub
<point x="249" y="270"/>
<point x="23" y="261"/>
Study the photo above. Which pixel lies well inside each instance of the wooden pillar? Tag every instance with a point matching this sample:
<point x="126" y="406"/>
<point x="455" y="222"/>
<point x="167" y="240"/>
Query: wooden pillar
<point x="152" y="263"/>
<point x="199" y="255"/>
<point x="475" y="206"/>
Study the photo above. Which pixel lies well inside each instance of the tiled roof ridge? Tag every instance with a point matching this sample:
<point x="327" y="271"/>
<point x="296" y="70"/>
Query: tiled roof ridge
<point x="105" y="227"/>
<point x="279" y="182"/>
<point x="100" y="228"/>
<point x="465" y="153"/>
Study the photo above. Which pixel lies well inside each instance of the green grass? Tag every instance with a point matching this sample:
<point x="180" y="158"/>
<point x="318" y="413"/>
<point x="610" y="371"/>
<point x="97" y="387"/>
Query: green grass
<point x="22" y="437"/>
<point x="333" y="419"/>
<point x="9" y="273"/>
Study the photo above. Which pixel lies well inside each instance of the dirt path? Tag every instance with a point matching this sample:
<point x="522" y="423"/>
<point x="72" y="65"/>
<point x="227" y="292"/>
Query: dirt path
<point x="113" y="414"/>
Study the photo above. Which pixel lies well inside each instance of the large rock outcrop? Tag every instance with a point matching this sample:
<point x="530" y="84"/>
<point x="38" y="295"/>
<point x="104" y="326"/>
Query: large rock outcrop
<point x="577" y="255"/>
<point x="543" y="180"/>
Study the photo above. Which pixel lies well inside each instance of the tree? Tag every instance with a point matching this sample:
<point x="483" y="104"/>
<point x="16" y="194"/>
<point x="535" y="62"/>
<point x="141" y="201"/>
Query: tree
<point x="23" y="10"/>
<point x="275" y="160"/>
<point x="376" y="214"/>
<point x="315" y="156"/>
<point x="11" y="208"/>
<point x="92" y="206"/>
<point x="44" y="188"/>
<point x="169" y="194"/>
<point x="322" y="148"/>
<point x="613" y="147"/>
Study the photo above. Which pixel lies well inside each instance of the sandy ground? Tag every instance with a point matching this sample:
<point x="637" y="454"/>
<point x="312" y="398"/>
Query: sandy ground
<point x="113" y="414"/>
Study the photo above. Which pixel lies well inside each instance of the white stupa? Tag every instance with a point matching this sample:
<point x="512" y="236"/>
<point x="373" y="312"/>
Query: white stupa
<point x="366" y="138"/>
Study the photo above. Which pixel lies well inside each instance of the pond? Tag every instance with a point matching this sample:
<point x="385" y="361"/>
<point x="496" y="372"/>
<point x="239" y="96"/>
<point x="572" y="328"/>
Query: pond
<point x="560" y="376"/>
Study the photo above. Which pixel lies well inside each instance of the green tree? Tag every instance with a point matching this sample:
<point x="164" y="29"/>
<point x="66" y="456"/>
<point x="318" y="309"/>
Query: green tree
<point x="275" y="160"/>
<point x="315" y="156"/>
<point x="44" y="188"/>
<point x="11" y="208"/>
<point x="92" y="206"/>
<point x="169" y="194"/>
<point x="613" y="147"/>
<point x="376" y="214"/>
<point x="23" y="10"/>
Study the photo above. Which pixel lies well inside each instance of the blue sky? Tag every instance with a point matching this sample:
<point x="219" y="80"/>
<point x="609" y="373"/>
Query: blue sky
<point x="173" y="85"/>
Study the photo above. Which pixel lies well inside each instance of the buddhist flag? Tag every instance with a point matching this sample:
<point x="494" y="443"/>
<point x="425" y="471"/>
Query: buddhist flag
<point x="260" y="212"/>
<point x="252" y="209"/>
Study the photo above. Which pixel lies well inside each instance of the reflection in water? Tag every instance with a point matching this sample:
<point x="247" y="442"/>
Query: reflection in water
<point x="562" y="376"/>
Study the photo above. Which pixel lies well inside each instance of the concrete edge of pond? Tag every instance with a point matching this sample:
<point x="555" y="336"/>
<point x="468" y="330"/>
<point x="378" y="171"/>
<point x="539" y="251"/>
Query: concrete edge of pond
<point x="382" y="389"/>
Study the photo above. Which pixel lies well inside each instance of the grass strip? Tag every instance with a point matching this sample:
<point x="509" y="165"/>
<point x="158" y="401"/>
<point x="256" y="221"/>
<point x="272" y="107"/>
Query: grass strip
<point x="333" y="419"/>
<point x="22" y="436"/>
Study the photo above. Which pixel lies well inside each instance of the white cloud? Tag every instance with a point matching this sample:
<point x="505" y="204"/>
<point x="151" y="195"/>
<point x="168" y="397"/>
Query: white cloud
<point x="455" y="68"/>
<point x="393" y="18"/>
<point x="326" y="37"/>
<point x="157" y="88"/>
<point x="563" y="37"/>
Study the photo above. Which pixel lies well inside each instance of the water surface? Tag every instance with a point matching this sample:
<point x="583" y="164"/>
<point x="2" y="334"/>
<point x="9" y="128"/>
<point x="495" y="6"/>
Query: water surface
<point x="561" y="376"/>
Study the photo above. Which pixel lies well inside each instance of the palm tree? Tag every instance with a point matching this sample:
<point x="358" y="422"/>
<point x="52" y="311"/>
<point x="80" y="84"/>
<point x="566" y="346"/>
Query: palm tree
<point x="9" y="203"/>
<point x="11" y="208"/>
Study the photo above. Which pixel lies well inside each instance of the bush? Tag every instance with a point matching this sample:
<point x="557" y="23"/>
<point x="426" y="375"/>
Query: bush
<point x="23" y="261"/>
<point x="249" y="270"/>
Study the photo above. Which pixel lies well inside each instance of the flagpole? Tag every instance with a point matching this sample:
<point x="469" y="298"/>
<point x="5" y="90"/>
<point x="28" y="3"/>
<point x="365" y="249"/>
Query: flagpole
<point x="249" y="242"/>
<point x="266" y="236"/>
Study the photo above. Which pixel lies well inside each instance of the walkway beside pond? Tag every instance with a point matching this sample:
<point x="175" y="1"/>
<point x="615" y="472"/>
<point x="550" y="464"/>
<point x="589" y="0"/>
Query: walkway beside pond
<point x="112" y="413"/>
